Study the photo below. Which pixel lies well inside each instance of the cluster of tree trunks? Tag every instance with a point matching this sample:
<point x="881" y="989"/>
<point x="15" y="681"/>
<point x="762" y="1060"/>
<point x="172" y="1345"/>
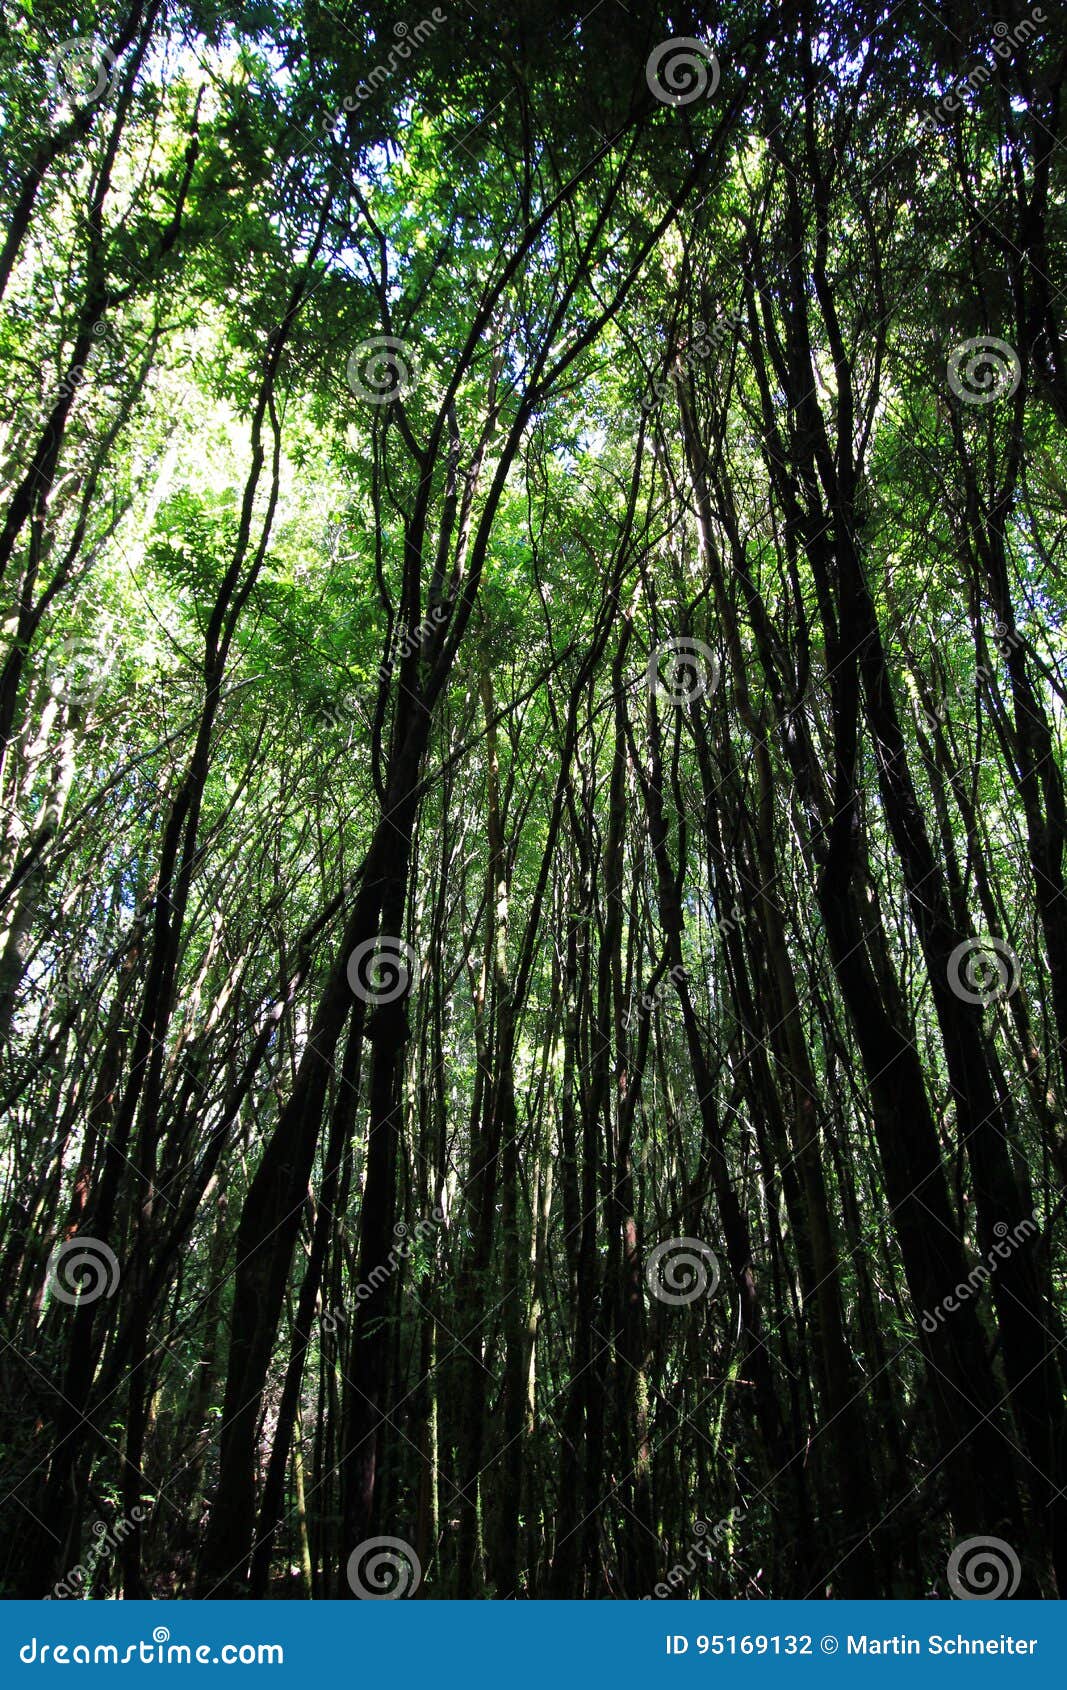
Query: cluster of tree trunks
<point x="682" y="940"/>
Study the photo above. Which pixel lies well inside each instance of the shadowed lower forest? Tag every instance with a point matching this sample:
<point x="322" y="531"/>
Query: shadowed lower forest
<point x="533" y="938"/>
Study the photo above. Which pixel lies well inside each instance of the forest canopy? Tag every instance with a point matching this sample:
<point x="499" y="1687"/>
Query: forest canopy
<point x="533" y="939"/>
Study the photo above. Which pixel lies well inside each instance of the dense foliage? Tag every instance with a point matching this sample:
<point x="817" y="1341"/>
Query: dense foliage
<point x="533" y="946"/>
